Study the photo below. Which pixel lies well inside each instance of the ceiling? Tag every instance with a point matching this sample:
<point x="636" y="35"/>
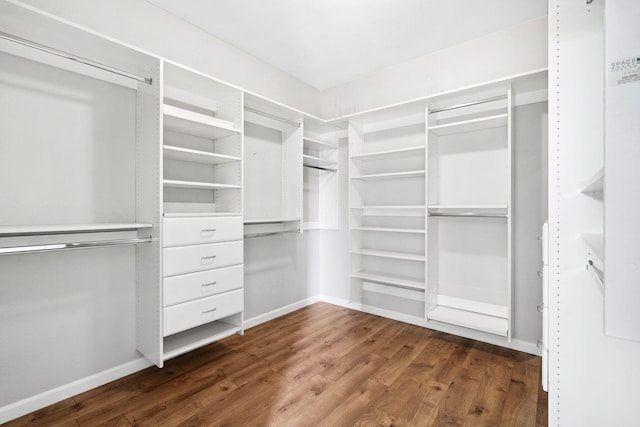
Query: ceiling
<point x="329" y="42"/>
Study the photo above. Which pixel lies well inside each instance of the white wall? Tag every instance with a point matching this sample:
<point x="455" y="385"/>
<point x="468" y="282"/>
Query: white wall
<point x="147" y="27"/>
<point x="594" y="379"/>
<point x="513" y="51"/>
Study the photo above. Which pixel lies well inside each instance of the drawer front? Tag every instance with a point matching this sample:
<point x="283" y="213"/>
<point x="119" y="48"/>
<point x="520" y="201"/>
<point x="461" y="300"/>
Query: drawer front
<point x="187" y="287"/>
<point x="204" y="310"/>
<point x="188" y="259"/>
<point x="188" y="231"/>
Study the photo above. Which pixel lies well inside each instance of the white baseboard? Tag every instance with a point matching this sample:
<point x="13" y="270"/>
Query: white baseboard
<point x="262" y="318"/>
<point x="514" y="344"/>
<point x="39" y="401"/>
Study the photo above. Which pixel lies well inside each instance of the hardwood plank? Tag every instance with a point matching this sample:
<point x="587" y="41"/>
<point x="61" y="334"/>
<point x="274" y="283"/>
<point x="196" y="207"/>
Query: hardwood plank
<point x="321" y="365"/>
<point x="457" y="400"/>
<point x="337" y="367"/>
<point x="61" y="413"/>
<point x="520" y="407"/>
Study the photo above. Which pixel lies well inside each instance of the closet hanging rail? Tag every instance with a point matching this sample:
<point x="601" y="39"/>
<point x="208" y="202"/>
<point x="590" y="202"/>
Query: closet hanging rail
<point x="272" y="116"/>
<point x="49" y="247"/>
<point x="320" y="168"/>
<point x="72" y="57"/>
<point x="468" y="104"/>
<point x="470" y="215"/>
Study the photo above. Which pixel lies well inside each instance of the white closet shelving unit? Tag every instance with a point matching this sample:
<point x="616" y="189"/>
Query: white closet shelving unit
<point x="83" y="174"/>
<point x="202" y="292"/>
<point x="469" y="211"/>
<point x="387" y="176"/>
<point x="320" y="175"/>
<point x="273" y="193"/>
<point x="202" y="145"/>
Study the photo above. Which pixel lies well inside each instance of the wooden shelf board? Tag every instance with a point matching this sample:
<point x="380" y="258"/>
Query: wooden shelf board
<point x="482" y="123"/>
<point x="198" y="185"/>
<point x="197" y="156"/>
<point x="387" y="154"/>
<point x="469" y="319"/>
<point x="391" y="230"/>
<point x="191" y="123"/>
<point x="407" y="174"/>
<point x="182" y="342"/>
<point x="389" y="254"/>
<point x="389" y="279"/>
<point x="34" y="230"/>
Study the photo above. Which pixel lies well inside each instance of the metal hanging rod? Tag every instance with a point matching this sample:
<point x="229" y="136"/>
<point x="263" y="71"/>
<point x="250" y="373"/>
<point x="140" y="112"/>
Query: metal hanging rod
<point x="270" y="233"/>
<point x="72" y="57"/>
<point x="319" y="168"/>
<point x="470" y="215"/>
<point x="49" y="247"/>
<point x="595" y="273"/>
<point x="468" y="104"/>
<point x="271" y="116"/>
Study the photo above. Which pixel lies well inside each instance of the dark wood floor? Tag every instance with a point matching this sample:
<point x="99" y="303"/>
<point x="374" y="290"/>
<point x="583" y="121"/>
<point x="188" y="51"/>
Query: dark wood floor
<point x="321" y="366"/>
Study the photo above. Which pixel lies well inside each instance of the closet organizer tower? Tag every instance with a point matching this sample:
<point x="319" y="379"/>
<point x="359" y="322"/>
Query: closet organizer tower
<point x="136" y="158"/>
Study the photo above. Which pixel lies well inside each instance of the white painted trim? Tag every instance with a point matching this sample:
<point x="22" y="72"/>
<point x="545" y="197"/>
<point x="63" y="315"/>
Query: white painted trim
<point x="41" y="400"/>
<point x="515" y="344"/>
<point x="273" y="314"/>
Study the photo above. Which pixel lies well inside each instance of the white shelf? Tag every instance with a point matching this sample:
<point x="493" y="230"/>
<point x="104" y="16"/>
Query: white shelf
<point x="268" y="220"/>
<point x="595" y="242"/>
<point x="407" y="174"/>
<point x="197" y="156"/>
<point x="595" y="184"/>
<point x="482" y="123"/>
<point x="317" y="145"/>
<point x="317" y="161"/>
<point x="389" y="254"/>
<point x="182" y="342"/>
<point x="191" y="123"/>
<point x="389" y="154"/>
<point x="198" y="185"/>
<point x="469" y="210"/>
<point x="469" y="319"/>
<point x="391" y="230"/>
<point x="389" y="279"/>
<point x="34" y="230"/>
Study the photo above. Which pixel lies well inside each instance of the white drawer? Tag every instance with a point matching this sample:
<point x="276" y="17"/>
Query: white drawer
<point x="188" y="231"/>
<point x="186" y="287"/>
<point x="204" y="310"/>
<point x="187" y="259"/>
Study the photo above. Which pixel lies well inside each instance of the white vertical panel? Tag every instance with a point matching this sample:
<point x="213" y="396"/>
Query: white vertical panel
<point x="622" y="174"/>
<point x="148" y="210"/>
<point x="592" y="378"/>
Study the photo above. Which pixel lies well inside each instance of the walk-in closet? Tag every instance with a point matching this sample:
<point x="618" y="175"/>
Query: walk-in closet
<point x="319" y="213"/>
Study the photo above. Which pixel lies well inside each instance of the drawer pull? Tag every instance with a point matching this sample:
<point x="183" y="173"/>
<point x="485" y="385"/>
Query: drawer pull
<point x="208" y="230"/>
<point x="209" y="311"/>
<point x="209" y="284"/>
<point x="207" y="259"/>
<point x="540" y="309"/>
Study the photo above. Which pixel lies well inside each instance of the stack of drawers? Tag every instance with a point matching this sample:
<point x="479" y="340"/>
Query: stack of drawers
<point x="203" y="272"/>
